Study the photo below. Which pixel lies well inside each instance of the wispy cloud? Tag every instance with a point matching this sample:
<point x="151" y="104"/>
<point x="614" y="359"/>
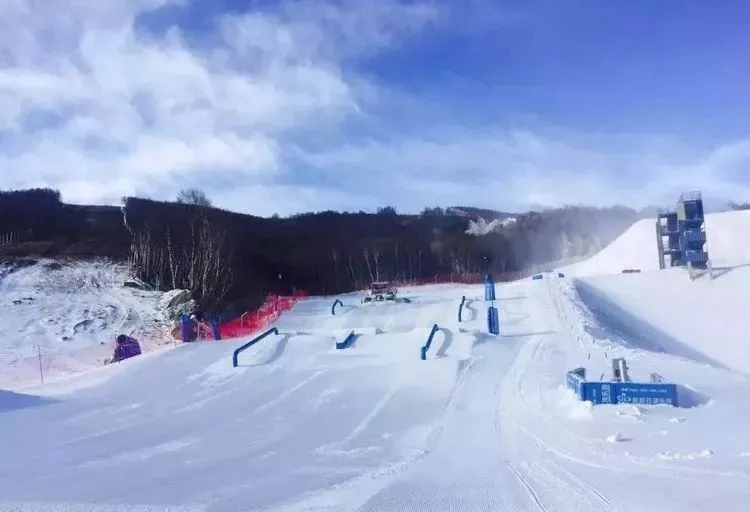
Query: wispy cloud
<point x="515" y="170"/>
<point x="120" y="111"/>
<point x="273" y="111"/>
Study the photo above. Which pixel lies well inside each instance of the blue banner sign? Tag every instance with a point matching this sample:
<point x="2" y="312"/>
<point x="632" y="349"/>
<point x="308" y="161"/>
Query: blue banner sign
<point x="646" y="393"/>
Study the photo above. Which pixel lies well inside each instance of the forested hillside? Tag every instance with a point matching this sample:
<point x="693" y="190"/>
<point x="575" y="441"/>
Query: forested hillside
<point x="229" y="258"/>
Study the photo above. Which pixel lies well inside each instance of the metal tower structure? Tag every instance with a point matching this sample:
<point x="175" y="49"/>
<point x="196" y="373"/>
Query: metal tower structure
<point x="668" y="238"/>
<point x="681" y="233"/>
<point x="691" y="223"/>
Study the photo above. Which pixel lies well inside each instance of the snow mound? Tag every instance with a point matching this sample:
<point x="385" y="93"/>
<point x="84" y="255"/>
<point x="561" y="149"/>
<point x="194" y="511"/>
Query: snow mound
<point x="69" y="313"/>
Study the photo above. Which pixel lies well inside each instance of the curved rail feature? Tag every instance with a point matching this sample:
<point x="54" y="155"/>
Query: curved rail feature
<point x="461" y="308"/>
<point x="337" y="302"/>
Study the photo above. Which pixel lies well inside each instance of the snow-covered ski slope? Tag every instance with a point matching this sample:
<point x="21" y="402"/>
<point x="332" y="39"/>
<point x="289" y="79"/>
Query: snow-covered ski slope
<point x="485" y="423"/>
<point x="705" y="319"/>
<point x="65" y="311"/>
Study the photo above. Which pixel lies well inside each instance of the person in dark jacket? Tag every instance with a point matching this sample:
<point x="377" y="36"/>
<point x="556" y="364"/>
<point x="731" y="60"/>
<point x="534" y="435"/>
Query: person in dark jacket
<point x="126" y="347"/>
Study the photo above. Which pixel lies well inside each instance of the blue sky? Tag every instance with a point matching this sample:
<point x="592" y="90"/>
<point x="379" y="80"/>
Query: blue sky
<point x="280" y="107"/>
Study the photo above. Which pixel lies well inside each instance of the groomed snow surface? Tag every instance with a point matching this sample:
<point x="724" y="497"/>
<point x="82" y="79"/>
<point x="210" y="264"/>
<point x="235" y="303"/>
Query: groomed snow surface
<point x="485" y="423"/>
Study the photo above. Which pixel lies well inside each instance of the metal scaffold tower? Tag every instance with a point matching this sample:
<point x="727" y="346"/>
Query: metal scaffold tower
<point x="681" y="233"/>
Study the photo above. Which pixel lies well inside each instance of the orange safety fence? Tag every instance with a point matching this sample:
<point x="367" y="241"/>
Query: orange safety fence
<point x="262" y="318"/>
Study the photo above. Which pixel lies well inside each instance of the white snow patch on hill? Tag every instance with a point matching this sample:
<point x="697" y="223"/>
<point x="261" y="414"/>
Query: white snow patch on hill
<point x="71" y="313"/>
<point x="482" y="227"/>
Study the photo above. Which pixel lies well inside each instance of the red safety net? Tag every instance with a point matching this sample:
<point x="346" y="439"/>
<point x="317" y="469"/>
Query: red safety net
<point x="262" y="318"/>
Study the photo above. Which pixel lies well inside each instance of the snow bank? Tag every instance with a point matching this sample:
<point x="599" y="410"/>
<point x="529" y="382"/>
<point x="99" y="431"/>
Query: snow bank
<point x="705" y="320"/>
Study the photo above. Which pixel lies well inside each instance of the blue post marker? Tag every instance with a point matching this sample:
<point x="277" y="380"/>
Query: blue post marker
<point x="493" y="322"/>
<point x="214" y="321"/>
<point x="186" y="328"/>
<point x="489" y="288"/>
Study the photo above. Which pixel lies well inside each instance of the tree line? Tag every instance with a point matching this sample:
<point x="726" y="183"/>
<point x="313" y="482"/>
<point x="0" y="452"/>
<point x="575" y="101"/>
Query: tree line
<point x="225" y="257"/>
<point x="29" y="213"/>
<point x="230" y="261"/>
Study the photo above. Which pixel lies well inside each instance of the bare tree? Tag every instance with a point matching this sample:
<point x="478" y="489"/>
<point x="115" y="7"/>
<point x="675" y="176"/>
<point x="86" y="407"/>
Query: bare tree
<point x="193" y="196"/>
<point x="175" y="262"/>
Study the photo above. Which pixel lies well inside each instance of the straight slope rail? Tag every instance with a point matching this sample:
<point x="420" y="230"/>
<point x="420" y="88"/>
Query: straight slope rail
<point x="461" y="308"/>
<point x="426" y="346"/>
<point x="335" y="303"/>
<point x="250" y="343"/>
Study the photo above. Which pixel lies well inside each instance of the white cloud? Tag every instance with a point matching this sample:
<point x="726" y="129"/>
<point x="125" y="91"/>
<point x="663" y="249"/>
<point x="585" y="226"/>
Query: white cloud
<point x="515" y="170"/>
<point x="118" y="111"/>
<point x="94" y="106"/>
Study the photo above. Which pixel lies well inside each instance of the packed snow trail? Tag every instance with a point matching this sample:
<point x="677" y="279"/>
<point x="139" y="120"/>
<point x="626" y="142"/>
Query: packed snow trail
<point x="478" y="461"/>
<point x="188" y="429"/>
<point x="469" y="467"/>
<point x="484" y="424"/>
